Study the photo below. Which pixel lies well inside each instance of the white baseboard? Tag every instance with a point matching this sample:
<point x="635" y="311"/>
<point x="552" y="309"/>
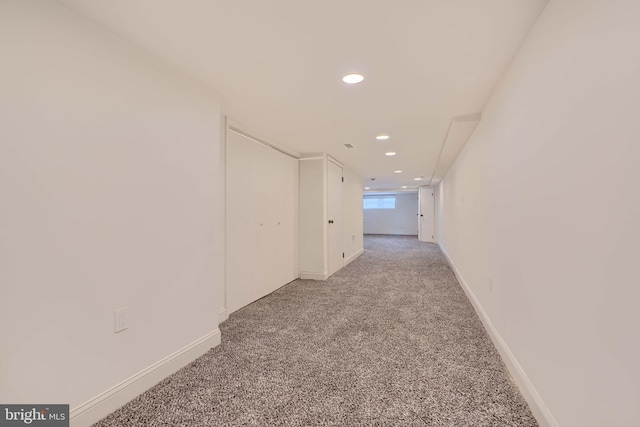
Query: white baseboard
<point x="102" y="405"/>
<point x="351" y="258"/>
<point x="222" y="315"/>
<point x="310" y="275"/>
<point x="538" y="408"/>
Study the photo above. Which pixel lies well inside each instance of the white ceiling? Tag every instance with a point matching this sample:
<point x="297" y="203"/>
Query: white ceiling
<point x="278" y="66"/>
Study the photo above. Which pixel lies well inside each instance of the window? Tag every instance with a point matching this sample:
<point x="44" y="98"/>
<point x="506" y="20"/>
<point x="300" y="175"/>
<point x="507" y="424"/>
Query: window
<point x="386" y="202"/>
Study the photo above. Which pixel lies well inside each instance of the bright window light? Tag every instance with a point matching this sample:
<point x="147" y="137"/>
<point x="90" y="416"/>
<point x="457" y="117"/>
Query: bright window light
<point x="379" y="202"/>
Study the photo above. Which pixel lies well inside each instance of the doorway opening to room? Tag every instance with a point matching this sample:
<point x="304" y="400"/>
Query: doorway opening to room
<point x="401" y="213"/>
<point x="393" y="213"/>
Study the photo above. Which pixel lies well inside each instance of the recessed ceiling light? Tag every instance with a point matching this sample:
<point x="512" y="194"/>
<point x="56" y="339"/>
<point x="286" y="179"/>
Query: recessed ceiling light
<point x="397" y="171"/>
<point x="390" y="153"/>
<point x="382" y="137"/>
<point x="353" y="78"/>
<point x="418" y="179"/>
<point x="404" y="186"/>
<point x="367" y="188"/>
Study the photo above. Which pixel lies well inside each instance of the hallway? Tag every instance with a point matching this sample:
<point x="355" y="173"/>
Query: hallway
<point x="391" y="339"/>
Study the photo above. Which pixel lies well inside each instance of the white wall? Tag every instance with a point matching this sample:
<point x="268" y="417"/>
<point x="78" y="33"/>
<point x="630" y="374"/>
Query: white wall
<point x="401" y="220"/>
<point x="352" y="214"/>
<point x="544" y="201"/>
<point x="313" y="216"/>
<point x="110" y="189"/>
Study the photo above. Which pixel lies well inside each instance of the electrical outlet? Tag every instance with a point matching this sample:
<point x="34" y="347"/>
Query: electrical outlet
<point x="122" y="320"/>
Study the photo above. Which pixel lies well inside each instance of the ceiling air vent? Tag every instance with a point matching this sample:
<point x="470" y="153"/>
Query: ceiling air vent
<point x="349" y="145"/>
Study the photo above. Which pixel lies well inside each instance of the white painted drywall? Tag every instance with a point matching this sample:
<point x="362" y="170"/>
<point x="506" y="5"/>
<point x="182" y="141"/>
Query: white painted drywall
<point x="437" y="203"/>
<point x="402" y="220"/>
<point x="544" y="201"/>
<point x="110" y="197"/>
<point x="313" y="216"/>
<point x="352" y="214"/>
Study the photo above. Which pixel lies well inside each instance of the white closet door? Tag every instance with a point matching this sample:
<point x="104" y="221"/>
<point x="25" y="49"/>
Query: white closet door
<point x="286" y="247"/>
<point x="335" y="242"/>
<point x="241" y="227"/>
<point x="262" y="220"/>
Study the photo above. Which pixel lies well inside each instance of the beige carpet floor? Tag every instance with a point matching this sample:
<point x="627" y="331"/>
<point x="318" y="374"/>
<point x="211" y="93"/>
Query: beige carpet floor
<point x="390" y="340"/>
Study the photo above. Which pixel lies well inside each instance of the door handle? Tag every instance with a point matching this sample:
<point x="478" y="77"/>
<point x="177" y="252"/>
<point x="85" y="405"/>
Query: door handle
<point x="421" y="215"/>
<point x="330" y="221"/>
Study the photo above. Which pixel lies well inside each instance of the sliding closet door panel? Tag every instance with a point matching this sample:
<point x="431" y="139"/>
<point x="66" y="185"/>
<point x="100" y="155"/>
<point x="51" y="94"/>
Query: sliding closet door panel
<point x="265" y="180"/>
<point x="241" y="228"/>
<point x="286" y="201"/>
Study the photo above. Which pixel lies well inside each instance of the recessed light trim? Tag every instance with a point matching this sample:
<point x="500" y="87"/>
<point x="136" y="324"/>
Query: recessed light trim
<point x="353" y="78"/>
<point x="418" y="179"/>
<point x="390" y="153"/>
<point x="367" y="188"/>
<point x="404" y="186"/>
<point x="397" y="171"/>
<point x="382" y="137"/>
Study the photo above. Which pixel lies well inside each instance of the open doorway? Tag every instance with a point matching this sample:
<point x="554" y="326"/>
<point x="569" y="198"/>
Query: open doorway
<point x="391" y="213"/>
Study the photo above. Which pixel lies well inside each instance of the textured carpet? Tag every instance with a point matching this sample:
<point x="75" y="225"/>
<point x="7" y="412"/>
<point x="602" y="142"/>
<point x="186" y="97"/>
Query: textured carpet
<point x="389" y="340"/>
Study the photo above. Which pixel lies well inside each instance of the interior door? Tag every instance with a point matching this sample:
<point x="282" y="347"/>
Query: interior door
<point x="334" y="235"/>
<point x="426" y="215"/>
